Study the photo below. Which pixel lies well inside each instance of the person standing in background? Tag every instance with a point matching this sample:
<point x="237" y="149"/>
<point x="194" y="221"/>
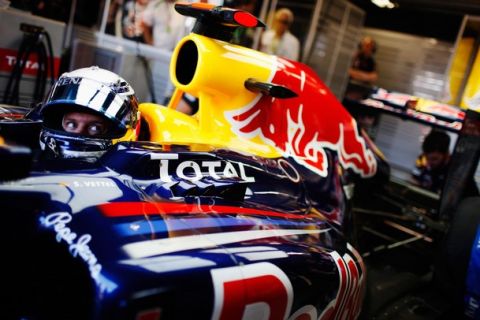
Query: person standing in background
<point x="163" y="26"/>
<point x="278" y="40"/>
<point x="364" y="68"/>
<point x="132" y="27"/>
<point x="362" y="75"/>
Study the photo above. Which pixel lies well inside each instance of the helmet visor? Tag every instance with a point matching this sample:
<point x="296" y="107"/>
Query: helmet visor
<point x="90" y="94"/>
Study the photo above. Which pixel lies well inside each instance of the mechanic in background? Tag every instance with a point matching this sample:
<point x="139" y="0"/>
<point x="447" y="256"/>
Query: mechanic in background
<point x="278" y="40"/>
<point x="163" y="26"/>
<point x="363" y="67"/>
<point x="363" y="71"/>
<point x="362" y="76"/>
<point x="431" y="166"/>
<point x="132" y="27"/>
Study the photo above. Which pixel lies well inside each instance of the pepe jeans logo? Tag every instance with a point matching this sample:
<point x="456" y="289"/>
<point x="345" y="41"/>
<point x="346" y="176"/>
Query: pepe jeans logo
<point x="78" y="245"/>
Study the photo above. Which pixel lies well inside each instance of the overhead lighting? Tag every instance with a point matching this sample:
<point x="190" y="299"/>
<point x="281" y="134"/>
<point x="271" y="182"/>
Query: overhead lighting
<point x="384" y="4"/>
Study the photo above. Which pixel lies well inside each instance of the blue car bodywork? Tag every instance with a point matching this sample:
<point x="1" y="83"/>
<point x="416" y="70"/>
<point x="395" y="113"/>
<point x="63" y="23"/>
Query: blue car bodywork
<point x="472" y="297"/>
<point x="142" y="234"/>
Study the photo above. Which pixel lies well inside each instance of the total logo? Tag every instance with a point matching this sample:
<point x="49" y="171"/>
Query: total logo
<point x="196" y="170"/>
<point x="8" y="59"/>
<point x="29" y="64"/>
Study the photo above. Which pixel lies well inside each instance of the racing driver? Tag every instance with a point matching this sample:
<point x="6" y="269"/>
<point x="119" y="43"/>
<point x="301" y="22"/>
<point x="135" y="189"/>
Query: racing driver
<point x="86" y="112"/>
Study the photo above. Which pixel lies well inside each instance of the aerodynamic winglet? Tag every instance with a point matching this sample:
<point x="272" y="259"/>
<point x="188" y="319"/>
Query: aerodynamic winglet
<point x="271" y="89"/>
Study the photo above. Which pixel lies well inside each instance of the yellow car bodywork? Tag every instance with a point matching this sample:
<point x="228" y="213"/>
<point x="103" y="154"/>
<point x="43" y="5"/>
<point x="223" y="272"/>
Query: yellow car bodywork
<point x="217" y="80"/>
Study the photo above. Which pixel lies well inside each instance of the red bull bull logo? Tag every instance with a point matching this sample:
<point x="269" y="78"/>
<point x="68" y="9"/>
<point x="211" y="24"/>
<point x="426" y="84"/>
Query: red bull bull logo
<point x="303" y="127"/>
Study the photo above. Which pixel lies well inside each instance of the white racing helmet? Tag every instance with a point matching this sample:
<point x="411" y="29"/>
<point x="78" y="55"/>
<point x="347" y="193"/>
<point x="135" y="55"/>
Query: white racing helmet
<point x="95" y="91"/>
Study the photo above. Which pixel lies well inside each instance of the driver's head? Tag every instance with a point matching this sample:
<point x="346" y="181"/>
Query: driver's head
<point x="282" y="21"/>
<point x="87" y="111"/>
<point x="367" y="46"/>
<point x="435" y="147"/>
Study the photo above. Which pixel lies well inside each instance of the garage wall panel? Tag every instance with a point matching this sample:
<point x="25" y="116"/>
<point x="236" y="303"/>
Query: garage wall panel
<point x="338" y="31"/>
<point x="411" y="64"/>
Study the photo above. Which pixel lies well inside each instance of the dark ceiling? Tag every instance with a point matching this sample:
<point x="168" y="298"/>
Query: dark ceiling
<point x="431" y="18"/>
<point x="471" y="7"/>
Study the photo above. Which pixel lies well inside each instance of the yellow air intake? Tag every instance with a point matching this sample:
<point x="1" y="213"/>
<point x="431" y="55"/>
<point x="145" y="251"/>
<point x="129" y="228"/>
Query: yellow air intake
<point x="213" y="71"/>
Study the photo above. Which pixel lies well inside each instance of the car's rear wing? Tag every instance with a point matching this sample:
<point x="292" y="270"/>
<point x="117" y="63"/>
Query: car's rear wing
<point x="405" y="106"/>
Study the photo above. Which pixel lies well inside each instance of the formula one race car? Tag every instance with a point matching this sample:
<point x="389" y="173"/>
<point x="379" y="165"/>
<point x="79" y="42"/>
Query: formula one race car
<point x="237" y="212"/>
